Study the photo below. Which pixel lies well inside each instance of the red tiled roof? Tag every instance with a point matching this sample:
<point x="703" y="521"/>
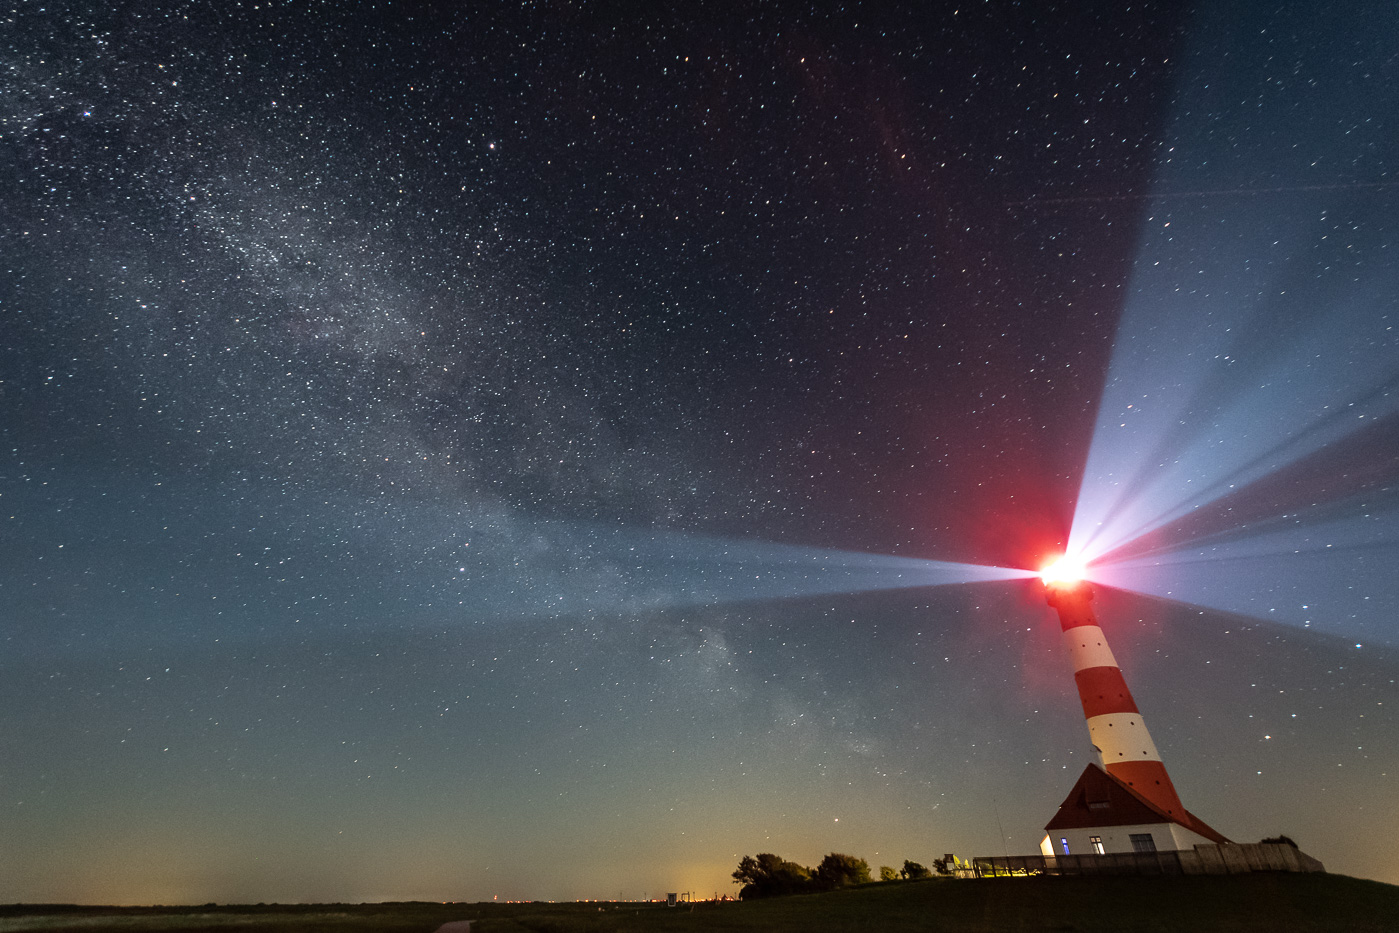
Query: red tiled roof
<point x="1099" y="799"/>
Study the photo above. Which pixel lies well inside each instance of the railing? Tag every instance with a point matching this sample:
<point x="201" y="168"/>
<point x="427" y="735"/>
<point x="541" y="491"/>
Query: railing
<point x="1202" y="860"/>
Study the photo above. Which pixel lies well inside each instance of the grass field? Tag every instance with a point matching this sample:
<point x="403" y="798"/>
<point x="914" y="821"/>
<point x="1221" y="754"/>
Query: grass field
<point x="1258" y="902"/>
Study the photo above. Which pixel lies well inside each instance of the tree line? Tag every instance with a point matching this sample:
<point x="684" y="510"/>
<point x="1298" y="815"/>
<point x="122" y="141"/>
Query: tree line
<point x="770" y="875"/>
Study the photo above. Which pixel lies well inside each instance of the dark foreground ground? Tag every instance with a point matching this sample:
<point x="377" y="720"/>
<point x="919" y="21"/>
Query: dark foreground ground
<point x="1259" y="902"/>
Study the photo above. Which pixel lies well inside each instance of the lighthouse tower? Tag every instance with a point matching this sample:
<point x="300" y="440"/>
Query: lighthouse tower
<point x="1115" y="726"/>
<point x="1130" y="803"/>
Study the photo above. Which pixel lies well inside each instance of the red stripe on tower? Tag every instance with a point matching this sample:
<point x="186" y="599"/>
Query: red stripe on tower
<point x="1115" y="725"/>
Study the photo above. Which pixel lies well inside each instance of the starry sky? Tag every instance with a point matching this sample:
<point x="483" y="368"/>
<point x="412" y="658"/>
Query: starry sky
<point x="555" y="450"/>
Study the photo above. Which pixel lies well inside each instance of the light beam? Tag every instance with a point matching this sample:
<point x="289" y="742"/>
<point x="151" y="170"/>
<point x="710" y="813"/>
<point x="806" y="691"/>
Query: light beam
<point x="1246" y="453"/>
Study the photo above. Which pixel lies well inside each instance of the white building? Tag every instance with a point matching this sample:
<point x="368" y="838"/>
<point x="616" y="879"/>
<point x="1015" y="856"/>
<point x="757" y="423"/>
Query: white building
<point x="1102" y="815"/>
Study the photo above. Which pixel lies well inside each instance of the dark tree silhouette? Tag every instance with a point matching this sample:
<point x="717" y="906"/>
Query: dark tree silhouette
<point x="838" y="870"/>
<point x="770" y="876"/>
<point x="912" y="871"/>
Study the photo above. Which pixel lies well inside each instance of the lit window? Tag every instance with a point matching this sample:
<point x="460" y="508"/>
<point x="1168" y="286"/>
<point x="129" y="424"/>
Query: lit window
<point x="1097" y="843"/>
<point x="1065" y="843"/>
<point x="1142" y="842"/>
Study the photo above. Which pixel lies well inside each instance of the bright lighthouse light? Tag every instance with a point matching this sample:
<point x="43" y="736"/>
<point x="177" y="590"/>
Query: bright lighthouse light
<point x="1064" y="570"/>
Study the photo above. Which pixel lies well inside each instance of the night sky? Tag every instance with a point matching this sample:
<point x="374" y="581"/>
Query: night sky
<point x="501" y="450"/>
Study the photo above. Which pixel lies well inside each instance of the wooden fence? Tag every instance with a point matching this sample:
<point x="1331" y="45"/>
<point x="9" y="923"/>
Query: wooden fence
<point x="1233" y="859"/>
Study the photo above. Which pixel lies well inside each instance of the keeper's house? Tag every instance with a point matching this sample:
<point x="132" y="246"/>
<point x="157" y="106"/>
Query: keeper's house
<point x="1102" y="815"/>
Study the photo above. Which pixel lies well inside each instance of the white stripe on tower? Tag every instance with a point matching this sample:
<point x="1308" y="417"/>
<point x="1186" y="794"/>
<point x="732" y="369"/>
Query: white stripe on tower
<point x="1088" y="648"/>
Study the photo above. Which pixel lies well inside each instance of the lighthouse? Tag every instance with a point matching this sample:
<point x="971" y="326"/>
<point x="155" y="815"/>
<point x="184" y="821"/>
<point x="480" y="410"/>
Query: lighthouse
<point x="1127" y="801"/>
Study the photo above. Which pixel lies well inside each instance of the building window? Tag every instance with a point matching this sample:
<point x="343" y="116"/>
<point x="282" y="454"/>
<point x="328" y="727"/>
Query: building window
<point x="1063" y="841"/>
<point x="1142" y="842"/>
<point x="1097" y="843"/>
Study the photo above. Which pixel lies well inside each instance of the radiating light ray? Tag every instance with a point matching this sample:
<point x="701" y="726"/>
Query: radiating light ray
<point x="669" y="569"/>
<point x="1154" y="461"/>
<point x="1246" y="454"/>
<point x="192" y="569"/>
<point x="561" y="567"/>
<point x="1321" y="579"/>
<point x="1353" y="478"/>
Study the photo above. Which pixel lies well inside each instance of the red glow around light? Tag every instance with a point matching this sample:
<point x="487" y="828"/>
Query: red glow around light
<point x="1064" y="570"/>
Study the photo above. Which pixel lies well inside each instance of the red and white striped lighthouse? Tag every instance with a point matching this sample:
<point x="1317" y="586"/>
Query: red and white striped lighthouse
<point x="1130" y="804"/>
<point x="1115" y="725"/>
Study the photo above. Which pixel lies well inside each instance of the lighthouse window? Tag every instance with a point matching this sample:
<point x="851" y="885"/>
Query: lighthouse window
<point x="1142" y="842"/>
<point x="1065" y="843"/>
<point x="1097" y="843"/>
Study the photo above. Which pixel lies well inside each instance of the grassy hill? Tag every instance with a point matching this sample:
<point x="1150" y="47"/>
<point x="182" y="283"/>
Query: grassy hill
<point x="1258" y="902"/>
